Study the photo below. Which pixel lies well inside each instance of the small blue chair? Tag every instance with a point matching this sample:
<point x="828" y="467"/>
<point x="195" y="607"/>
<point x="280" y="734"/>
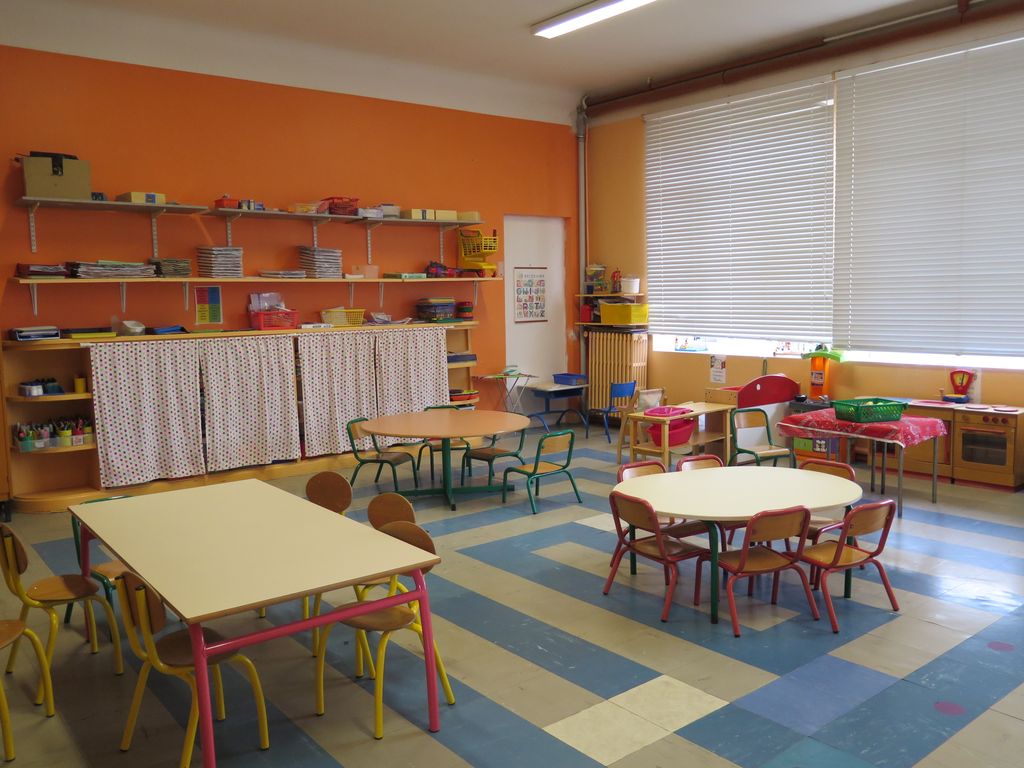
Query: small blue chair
<point x="623" y="391"/>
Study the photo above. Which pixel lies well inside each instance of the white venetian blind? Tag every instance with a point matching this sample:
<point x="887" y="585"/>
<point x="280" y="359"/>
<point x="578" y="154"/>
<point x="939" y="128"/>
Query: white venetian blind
<point x="930" y="205"/>
<point x="739" y="217"/>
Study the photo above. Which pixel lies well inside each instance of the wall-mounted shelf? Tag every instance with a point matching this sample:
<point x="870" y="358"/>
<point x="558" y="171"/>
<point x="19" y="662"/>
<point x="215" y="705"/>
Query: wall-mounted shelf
<point x="50" y="398"/>
<point x="614" y="325"/>
<point x="231" y="215"/>
<point x="33" y="284"/>
<point x="464" y="364"/>
<point x="443" y="226"/>
<point x="155" y="211"/>
<point x="605" y="295"/>
<point x="62" y="449"/>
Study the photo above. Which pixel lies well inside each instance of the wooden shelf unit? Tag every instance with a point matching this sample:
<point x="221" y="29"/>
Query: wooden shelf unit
<point x="458" y="340"/>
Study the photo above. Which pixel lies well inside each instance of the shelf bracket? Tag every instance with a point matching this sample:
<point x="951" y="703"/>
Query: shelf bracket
<point x="370" y="226"/>
<point x="124" y="296"/>
<point x="351" y="295"/>
<point x="33" y="292"/>
<point x="315" y="238"/>
<point x="152" y="229"/>
<point x="184" y="294"/>
<point x="227" y="228"/>
<point x="32" y="227"/>
<point x="380" y="295"/>
<point x="476" y="292"/>
<point x="441" y="230"/>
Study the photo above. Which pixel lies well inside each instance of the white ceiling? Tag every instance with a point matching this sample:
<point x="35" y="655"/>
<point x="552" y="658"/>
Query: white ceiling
<point x="492" y="37"/>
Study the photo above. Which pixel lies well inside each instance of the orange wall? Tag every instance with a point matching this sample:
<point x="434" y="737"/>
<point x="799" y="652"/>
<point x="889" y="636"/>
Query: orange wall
<point x="196" y="137"/>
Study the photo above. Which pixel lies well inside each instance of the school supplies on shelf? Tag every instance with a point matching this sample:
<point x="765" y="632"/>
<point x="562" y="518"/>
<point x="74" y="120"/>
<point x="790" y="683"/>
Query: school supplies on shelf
<point x="219" y="261"/>
<point x="320" y="262"/>
<point x="34" y="333"/>
<point x="36" y="271"/>
<point x="94" y="269"/>
<point x="87" y="333"/>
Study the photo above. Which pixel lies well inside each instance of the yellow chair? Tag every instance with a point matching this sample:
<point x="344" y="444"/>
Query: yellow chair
<point x="552" y="442"/>
<point x="755" y="418"/>
<point x="385" y="621"/>
<point x="143" y="614"/>
<point x="330" y="491"/>
<point x="11" y="632"/>
<point x="49" y="593"/>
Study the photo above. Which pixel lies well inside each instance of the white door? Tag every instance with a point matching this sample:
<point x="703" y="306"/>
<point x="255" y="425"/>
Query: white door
<point x="536" y="347"/>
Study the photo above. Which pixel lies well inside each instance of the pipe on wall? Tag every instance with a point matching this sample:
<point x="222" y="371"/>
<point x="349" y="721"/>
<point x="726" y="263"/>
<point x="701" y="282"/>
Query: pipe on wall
<point x="801" y="53"/>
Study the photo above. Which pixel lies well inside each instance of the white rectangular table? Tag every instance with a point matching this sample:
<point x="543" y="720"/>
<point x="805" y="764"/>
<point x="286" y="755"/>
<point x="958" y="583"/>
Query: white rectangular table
<point x="222" y="549"/>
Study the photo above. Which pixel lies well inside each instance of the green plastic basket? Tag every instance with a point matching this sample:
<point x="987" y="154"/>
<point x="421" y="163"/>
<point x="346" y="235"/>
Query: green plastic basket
<point x="868" y="409"/>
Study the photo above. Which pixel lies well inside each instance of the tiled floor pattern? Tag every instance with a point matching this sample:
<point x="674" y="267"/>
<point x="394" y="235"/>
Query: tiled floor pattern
<point x="550" y="672"/>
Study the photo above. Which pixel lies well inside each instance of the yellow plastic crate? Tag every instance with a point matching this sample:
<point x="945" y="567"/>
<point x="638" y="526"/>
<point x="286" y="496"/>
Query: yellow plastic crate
<point x="341" y="316"/>
<point x="623" y="314"/>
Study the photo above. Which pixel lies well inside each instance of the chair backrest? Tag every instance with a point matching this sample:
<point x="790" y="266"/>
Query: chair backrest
<point x="775" y="524"/>
<point x="749" y="418"/>
<point x="411" y="533"/>
<point x="389" y="507"/>
<point x="620" y="391"/>
<point x="700" y="461"/>
<point x="356" y="433"/>
<point x="155" y="616"/>
<point x="649" y="398"/>
<point x="329" y="490"/>
<point x="836" y="468"/>
<point x="555" y="442"/>
<point x="868" y="518"/>
<point x="632" y="511"/>
<point x="13" y="556"/>
<point x="640" y="468"/>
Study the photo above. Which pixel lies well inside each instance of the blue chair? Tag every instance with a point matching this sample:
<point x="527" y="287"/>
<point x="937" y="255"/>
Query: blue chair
<point x="617" y="392"/>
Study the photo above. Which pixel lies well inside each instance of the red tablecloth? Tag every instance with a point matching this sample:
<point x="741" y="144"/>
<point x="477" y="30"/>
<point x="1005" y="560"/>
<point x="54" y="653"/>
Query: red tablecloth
<point x="908" y="431"/>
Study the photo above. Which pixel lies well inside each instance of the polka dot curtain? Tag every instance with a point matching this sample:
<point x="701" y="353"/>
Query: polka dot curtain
<point x="412" y="370"/>
<point x="338" y="384"/>
<point x="147" y="411"/>
<point x="251" y="403"/>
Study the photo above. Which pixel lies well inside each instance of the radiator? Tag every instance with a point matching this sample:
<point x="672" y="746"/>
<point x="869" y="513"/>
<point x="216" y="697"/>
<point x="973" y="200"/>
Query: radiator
<point x="614" y="357"/>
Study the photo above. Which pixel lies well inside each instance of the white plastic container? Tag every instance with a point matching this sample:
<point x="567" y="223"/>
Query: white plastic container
<point x="630" y="284"/>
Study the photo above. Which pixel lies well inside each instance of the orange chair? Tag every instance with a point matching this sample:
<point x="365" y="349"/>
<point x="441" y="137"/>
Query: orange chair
<point x="47" y="594"/>
<point x="631" y="512"/>
<point x="709" y="461"/>
<point x="838" y="469"/>
<point x="680" y="529"/>
<point x="830" y="556"/>
<point x="757" y="559"/>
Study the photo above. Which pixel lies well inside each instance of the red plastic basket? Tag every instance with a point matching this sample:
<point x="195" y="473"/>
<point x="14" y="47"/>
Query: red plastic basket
<point x="679" y="432"/>
<point x="275" y="318"/>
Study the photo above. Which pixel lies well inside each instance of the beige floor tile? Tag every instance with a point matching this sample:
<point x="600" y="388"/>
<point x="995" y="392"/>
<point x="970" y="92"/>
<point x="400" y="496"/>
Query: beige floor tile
<point x="885" y="656"/>
<point x="668" y="703"/>
<point x="1012" y="704"/>
<point x="918" y="633"/>
<point x="993" y="738"/>
<point x="962" y="618"/>
<point x="606" y="732"/>
<point x="671" y="752"/>
<point x="600" y="522"/>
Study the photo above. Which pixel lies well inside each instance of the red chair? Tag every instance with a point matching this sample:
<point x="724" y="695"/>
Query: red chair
<point x="628" y="511"/>
<point x="757" y="559"/>
<point x="709" y="461"/>
<point x="680" y="529"/>
<point x="833" y="555"/>
<point x="836" y="468"/>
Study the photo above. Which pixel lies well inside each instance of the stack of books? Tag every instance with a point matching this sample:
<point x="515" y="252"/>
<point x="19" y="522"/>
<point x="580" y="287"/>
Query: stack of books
<point x="172" y="267"/>
<point x="42" y="270"/>
<point x="109" y="269"/>
<point x="290" y="274"/>
<point x="219" y="261"/>
<point x="320" y="262"/>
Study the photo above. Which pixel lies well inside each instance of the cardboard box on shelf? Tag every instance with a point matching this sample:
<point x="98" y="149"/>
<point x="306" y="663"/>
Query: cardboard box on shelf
<point x="444" y="214"/>
<point x="468" y="216"/>
<point x="156" y="198"/>
<point x="418" y="214"/>
<point x="57" y="175"/>
<point x="390" y="210"/>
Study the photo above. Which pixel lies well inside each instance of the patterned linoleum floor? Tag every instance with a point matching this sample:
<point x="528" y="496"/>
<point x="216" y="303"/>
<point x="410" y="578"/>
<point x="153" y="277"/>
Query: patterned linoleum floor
<point x="549" y="672"/>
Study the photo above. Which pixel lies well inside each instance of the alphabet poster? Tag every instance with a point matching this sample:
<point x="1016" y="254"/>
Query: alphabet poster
<point x="531" y="295"/>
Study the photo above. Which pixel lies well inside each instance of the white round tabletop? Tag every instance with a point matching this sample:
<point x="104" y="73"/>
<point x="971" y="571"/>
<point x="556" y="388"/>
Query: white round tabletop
<point x="735" y="494"/>
<point x="446" y="422"/>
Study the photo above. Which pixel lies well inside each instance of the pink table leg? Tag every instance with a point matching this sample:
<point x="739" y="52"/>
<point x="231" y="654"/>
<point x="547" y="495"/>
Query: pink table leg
<point x="428" y="652"/>
<point x="202" y="673"/>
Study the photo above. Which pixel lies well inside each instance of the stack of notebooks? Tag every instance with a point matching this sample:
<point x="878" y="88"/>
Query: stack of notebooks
<point x="291" y="274"/>
<point x="172" y="267"/>
<point x="320" y="262"/>
<point x="42" y="270"/>
<point x="94" y="269"/>
<point x="219" y="261"/>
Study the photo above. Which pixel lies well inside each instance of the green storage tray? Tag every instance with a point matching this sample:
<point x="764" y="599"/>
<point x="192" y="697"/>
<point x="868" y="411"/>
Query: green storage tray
<point x="864" y="410"/>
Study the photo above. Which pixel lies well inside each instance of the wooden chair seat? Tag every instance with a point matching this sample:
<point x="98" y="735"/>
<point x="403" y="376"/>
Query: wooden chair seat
<point x="822" y="554"/>
<point x="383" y="620"/>
<point x="768" y="451"/>
<point x="759" y="559"/>
<point x="10" y="630"/>
<point x="673" y="548"/>
<point x="684" y="528"/>
<point x="175" y="649"/>
<point x="111" y="570"/>
<point x="392" y="457"/>
<point x="542" y="467"/>
<point x="488" y="453"/>
<point x="62" y="589"/>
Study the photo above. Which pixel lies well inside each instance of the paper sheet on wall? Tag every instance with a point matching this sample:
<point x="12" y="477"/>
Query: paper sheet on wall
<point x="209" y="309"/>
<point x="717" y="369"/>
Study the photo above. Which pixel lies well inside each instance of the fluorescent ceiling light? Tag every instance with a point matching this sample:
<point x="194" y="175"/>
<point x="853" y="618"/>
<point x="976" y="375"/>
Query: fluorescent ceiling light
<point x="584" y="16"/>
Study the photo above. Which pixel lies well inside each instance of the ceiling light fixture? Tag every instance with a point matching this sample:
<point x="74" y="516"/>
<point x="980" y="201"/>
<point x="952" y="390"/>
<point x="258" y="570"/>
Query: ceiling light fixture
<point x="584" y="16"/>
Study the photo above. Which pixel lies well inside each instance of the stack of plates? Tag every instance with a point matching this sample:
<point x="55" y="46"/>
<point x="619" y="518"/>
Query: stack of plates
<point x="219" y="261"/>
<point x="320" y="262"/>
<point x="172" y="267"/>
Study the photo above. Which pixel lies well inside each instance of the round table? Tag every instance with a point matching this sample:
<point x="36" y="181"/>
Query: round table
<point x="734" y="495"/>
<point x="446" y="424"/>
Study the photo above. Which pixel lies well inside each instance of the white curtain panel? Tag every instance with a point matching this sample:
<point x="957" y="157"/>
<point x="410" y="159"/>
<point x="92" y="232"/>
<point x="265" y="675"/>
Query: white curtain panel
<point x="146" y="405"/>
<point x="338" y="385"/>
<point x="252" y="410"/>
<point x="412" y="370"/>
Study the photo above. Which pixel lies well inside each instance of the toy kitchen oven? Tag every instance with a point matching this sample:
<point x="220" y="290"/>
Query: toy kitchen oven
<point x="988" y="444"/>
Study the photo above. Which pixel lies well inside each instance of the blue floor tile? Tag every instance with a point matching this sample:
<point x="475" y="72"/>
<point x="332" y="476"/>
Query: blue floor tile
<point x="743" y="737"/>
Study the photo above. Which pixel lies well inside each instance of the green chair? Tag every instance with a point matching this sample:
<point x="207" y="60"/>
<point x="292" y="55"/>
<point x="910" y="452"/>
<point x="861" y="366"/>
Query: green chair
<point x="433" y="445"/>
<point x="552" y="442"/>
<point x="490" y="454"/>
<point x="755" y="418"/>
<point x="105" y="573"/>
<point x="381" y="458"/>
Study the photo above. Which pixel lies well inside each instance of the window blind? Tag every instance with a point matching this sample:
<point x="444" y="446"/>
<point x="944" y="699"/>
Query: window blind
<point x="739" y="201"/>
<point x="930" y="205"/>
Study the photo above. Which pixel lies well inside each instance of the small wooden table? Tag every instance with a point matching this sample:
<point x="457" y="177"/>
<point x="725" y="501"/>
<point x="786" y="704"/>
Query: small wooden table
<point x="716" y="430"/>
<point x="445" y="425"/>
<point x="736" y="494"/>
<point x="205" y="551"/>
